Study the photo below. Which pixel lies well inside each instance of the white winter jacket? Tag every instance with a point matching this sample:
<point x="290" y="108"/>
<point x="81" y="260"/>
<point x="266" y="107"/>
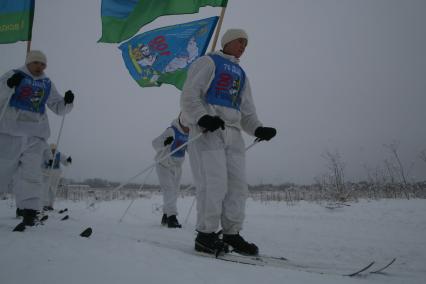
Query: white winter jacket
<point x="18" y="122"/>
<point x="193" y="100"/>
<point x="162" y="151"/>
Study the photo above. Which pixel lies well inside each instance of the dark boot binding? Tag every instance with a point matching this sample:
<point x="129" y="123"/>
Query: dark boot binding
<point x="240" y="245"/>
<point x="210" y="243"/>
<point x="172" y="222"/>
<point x="164" y="220"/>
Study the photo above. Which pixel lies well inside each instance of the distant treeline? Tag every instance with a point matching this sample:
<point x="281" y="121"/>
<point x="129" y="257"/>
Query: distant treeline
<point x="350" y="191"/>
<point x="288" y="192"/>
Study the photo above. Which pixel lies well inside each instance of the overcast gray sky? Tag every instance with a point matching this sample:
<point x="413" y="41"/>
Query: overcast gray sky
<point x="330" y="75"/>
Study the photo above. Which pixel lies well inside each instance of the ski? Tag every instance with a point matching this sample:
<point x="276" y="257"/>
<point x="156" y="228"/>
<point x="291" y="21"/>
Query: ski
<point x="43" y="218"/>
<point x="283" y="262"/>
<point x="361" y="270"/>
<point x="19" y="228"/>
<point x="280" y="262"/>
<point x="380" y="270"/>
<point x="269" y="260"/>
<point x="228" y="258"/>
<point x="279" y="258"/>
<point x="63" y="210"/>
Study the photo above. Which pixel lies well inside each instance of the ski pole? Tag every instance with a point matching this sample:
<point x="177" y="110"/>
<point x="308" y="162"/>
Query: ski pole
<point x="193" y="201"/>
<point x="60" y="132"/>
<point x="190" y="208"/>
<point x="252" y="144"/>
<point x="152" y="168"/>
<point x="159" y="161"/>
<point x="133" y="199"/>
<point x="6" y="104"/>
<point x="50" y="168"/>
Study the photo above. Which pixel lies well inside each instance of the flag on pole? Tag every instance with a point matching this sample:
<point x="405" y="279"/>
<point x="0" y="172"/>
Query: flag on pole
<point x="121" y="19"/>
<point x="163" y="55"/>
<point x="16" y="20"/>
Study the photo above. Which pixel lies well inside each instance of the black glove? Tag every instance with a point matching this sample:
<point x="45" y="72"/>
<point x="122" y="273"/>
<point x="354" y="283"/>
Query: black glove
<point x="69" y="160"/>
<point x="69" y="97"/>
<point x="168" y="140"/>
<point x="15" y="80"/>
<point x="265" y="133"/>
<point x="211" y="123"/>
<point x="50" y="163"/>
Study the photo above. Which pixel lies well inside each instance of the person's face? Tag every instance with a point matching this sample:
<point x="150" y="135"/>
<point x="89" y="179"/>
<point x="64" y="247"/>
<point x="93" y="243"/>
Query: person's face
<point x="185" y="129"/>
<point x="36" y="68"/>
<point x="235" y="47"/>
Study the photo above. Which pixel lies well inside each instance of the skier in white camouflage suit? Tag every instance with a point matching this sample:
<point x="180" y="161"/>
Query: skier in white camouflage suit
<point x="24" y="129"/>
<point x="216" y="99"/>
<point x="169" y="170"/>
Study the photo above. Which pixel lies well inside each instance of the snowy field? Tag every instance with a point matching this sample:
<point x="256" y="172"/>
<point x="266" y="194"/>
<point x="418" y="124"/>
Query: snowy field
<point x="139" y="250"/>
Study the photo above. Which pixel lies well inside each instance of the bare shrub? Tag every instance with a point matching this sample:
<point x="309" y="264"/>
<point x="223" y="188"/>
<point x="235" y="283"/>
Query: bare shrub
<point x="395" y="167"/>
<point x="335" y="178"/>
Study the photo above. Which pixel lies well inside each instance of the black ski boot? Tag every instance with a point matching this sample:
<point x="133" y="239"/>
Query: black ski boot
<point x="210" y="243"/>
<point x="30" y="217"/>
<point x="164" y="220"/>
<point x="240" y="245"/>
<point x="172" y="222"/>
<point x="19" y="212"/>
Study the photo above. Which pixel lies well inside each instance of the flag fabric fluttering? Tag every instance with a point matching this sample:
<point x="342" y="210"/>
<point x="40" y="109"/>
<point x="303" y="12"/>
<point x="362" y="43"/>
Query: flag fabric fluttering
<point x="163" y="55"/>
<point x="16" y="20"/>
<point x="121" y="19"/>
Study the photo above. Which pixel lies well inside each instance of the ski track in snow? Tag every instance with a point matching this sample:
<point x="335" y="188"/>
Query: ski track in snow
<point x="140" y="250"/>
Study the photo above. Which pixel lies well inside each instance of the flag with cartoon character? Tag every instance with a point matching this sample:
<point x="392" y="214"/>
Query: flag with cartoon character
<point x="163" y="55"/>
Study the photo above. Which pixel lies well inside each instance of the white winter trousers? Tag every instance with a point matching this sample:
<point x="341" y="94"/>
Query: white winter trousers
<point x="218" y="165"/>
<point x="51" y="179"/>
<point x="20" y="168"/>
<point x="169" y="178"/>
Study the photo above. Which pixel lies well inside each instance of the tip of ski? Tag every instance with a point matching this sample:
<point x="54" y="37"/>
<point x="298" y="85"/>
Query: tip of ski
<point x="380" y="270"/>
<point x="374" y="270"/>
<point x="360" y="270"/>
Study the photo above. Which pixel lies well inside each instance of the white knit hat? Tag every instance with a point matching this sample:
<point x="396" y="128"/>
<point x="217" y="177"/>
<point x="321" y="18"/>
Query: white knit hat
<point x="232" y="34"/>
<point x="36" y="55"/>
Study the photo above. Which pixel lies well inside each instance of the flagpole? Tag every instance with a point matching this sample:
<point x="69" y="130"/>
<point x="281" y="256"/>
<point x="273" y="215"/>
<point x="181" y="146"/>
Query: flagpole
<point x="219" y="26"/>
<point x="31" y="21"/>
<point x="28" y="46"/>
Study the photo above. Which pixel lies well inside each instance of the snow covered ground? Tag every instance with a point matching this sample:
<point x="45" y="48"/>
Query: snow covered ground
<point x="139" y="250"/>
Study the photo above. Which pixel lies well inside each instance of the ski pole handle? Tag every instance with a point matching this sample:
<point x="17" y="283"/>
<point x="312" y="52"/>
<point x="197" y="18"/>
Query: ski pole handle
<point x="252" y="144"/>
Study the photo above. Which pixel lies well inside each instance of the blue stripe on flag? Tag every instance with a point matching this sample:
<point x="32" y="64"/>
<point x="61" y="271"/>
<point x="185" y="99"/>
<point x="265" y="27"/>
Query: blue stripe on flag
<point x="118" y="8"/>
<point x="12" y="6"/>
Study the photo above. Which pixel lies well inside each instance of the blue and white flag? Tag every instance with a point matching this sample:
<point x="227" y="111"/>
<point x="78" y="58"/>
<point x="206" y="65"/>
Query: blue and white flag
<point x="163" y="55"/>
